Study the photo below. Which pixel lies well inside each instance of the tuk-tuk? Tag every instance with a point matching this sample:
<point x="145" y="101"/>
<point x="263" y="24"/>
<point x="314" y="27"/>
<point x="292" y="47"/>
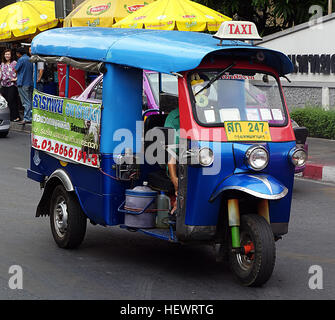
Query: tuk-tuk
<point x="235" y="151"/>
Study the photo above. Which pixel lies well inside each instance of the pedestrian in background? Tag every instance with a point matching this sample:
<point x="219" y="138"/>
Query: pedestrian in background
<point x="24" y="71"/>
<point x="8" y="86"/>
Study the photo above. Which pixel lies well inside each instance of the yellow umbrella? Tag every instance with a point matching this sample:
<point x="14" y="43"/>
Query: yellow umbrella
<point x="21" y="19"/>
<point x="102" y="13"/>
<point x="182" y="15"/>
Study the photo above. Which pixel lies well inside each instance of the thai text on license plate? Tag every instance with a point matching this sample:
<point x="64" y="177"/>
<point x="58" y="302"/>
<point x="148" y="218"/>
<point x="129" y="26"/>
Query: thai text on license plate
<point x="247" y="131"/>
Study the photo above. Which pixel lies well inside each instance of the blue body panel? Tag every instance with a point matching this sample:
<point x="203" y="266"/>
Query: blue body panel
<point x="121" y="109"/>
<point x="202" y="187"/>
<point x="98" y="194"/>
<point x="203" y="181"/>
<point x="281" y="168"/>
<point x="157" y="50"/>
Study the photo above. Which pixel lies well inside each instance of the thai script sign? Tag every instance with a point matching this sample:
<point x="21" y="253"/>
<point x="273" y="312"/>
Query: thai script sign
<point x="66" y="128"/>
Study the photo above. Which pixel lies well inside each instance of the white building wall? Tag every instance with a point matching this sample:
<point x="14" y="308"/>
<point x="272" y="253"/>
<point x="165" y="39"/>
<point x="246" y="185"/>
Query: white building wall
<point x="311" y="39"/>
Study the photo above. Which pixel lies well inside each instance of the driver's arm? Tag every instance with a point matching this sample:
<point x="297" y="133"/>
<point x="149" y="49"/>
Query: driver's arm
<point x="172" y="167"/>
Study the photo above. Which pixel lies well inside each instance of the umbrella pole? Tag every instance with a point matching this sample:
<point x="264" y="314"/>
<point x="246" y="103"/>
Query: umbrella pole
<point x="35" y="75"/>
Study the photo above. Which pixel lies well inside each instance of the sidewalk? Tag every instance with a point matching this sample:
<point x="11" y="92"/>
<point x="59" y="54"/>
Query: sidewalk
<point x="321" y="160"/>
<point x="320" y="164"/>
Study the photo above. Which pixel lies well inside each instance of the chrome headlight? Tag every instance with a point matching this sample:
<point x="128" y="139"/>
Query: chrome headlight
<point x="206" y="157"/>
<point x="298" y="156"/>
<point x="203" y="156"/>
<point x="257" y="157"/>
<point x="3" y="103"/>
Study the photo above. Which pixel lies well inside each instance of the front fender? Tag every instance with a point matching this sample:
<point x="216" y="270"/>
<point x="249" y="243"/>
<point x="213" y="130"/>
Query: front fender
<point x="259" y="185"/>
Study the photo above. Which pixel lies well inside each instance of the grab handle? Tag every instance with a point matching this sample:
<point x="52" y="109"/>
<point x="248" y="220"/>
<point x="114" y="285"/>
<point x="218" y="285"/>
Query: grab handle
<point x="120" y="209"/>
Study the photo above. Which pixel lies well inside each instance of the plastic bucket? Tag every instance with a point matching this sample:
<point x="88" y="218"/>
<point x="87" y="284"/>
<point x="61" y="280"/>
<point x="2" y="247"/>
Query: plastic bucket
<point x="136" y="201"/>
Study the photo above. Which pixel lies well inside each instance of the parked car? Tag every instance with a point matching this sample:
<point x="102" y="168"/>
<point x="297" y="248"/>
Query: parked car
<point x="4" y="117"/>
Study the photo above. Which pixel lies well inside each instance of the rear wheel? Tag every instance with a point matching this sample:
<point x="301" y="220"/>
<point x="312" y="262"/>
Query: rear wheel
<point x="255" y="267"/>
<point x="68" y="221"/>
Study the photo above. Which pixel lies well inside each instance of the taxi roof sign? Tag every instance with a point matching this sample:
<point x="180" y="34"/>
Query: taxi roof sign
<point x="237" y="30"/>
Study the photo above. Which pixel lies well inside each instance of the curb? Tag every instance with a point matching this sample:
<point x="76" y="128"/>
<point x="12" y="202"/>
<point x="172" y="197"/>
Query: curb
<point x="319" y="172"/>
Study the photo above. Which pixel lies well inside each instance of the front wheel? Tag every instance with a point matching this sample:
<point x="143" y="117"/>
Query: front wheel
<point x="256" y="266"/>
<point x="67" y="219"/>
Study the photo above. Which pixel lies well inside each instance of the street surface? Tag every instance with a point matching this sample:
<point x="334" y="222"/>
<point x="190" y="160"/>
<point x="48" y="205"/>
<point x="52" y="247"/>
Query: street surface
<point x="116" y="264"/>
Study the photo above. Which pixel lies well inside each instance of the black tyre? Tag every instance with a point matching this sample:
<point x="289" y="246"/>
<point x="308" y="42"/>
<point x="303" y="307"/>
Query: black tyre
<point x="256" y="267"/>
<point x="68" y="221"/>
<point x="4" y="134"/>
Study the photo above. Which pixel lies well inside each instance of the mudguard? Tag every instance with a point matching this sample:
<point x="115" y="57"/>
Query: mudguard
<point x="58" y="176"/>
<point x="259" y="185"/>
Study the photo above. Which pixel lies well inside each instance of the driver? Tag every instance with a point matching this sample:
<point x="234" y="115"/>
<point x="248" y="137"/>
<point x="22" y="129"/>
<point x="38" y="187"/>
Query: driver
<point x="173" y="121"/>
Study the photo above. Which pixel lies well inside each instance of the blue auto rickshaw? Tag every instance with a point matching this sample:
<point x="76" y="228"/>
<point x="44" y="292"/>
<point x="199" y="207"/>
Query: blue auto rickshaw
<point x="236" y="153"/>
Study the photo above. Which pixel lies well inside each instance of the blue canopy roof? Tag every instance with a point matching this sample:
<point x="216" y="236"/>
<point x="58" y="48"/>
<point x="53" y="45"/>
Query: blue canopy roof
<point x="157" y="50"/>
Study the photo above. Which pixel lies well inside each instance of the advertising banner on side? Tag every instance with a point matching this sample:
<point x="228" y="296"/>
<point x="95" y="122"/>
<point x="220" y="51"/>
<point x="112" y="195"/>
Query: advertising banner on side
<point x="66" y="128"/>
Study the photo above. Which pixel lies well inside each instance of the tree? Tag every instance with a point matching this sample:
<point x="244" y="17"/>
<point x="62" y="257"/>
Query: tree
<point x="269" y="15"/>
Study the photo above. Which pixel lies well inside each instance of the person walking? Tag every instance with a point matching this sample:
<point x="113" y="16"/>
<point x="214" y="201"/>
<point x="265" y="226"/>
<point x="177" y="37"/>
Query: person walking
<point x="8" y="87"/>
<point x="24" y="71"/>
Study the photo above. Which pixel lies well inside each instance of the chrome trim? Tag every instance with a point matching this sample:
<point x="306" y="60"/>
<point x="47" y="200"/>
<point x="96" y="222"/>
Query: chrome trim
<point x="258" y="194"/>
<point x="252" y="149"/>
<point x="210" y="151"/>
<point x="61" y="217"/>
<point x="295" y="149"/>
<point x="64" y="178"/>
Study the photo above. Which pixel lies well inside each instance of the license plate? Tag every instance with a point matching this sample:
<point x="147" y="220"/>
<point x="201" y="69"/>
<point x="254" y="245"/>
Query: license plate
<point x="247" y="131"/>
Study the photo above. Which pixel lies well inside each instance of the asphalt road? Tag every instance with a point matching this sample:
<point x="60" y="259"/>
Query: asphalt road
<point x="116" y="264"/>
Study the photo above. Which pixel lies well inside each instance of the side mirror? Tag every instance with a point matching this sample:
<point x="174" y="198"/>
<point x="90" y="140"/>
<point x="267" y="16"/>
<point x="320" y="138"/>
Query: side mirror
<point x="301" y="134"/>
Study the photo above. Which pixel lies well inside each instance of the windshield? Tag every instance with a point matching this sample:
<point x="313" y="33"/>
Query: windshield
<point x="237" y="95"/>
<point x="169" y="84"/>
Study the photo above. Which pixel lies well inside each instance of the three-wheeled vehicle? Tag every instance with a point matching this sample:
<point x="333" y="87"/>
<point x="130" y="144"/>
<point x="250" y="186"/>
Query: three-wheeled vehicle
<point x="235" y="158"/>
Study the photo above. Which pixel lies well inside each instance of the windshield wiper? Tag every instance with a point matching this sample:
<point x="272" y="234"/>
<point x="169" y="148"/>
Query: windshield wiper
<point x="287" y="79"/>
<point x="215" y="78"/>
